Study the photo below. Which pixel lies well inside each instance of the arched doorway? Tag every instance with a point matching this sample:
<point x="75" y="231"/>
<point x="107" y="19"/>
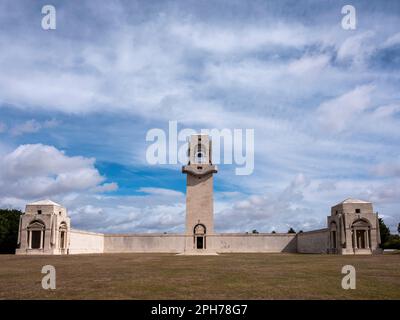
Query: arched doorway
<point x="361" y="234"/>
<point x="199" y="232"/>
<point x="36" y="235"/>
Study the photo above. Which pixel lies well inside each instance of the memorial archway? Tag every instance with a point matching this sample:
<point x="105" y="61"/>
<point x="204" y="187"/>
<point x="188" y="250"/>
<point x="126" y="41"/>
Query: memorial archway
<point x="361" y="234"/>
<point x="199" y="232"/>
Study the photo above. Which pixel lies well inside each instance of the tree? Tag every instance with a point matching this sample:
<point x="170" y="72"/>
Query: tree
<point x="254" y="231"/>
<point x="398" y="228"/>
<point x="291" y="230"/>
<point x="9" y="224"/>
<point x="393" y="242"/>
<point x="384" y="230"/>
<point x="273" y="231"/>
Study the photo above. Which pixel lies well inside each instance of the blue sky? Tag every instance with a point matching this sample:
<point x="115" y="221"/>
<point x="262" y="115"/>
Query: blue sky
<point x="324" y="102"/>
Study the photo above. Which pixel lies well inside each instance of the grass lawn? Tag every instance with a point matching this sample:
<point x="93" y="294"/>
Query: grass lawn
<point x="227" y="276"/>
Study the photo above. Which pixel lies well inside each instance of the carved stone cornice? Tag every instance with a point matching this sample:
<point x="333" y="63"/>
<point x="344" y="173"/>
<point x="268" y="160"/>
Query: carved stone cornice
<point x="199" y="169"/>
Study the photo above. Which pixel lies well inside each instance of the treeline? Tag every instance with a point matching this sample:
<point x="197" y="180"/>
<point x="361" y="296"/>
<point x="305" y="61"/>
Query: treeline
<point x="388" y="240"/>
<point x="9" y="223"/>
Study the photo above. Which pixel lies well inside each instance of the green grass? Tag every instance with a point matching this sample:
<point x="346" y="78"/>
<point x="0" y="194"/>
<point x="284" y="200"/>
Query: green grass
<point x="227" y="276"/>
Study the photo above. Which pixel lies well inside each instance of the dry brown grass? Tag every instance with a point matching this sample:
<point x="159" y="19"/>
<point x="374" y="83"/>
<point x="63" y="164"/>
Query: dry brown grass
<point x="227" y="276"/>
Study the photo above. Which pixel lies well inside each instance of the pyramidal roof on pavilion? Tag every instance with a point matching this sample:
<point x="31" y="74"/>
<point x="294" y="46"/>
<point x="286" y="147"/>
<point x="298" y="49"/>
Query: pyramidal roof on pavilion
<point x="352" y="200"/>
<point x="44" y="203"/>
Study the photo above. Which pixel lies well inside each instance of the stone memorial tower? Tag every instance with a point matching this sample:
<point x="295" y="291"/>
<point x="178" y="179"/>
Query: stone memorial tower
<point x="199" y="195"/>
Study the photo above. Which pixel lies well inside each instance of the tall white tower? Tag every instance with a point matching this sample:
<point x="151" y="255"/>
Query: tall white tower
<point x="199" y="193"/>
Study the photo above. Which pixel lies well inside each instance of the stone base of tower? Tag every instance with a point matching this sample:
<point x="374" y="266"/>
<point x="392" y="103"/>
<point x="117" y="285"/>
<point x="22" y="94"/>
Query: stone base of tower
<point x="199" y="245"/>
<point x="198" y="253"/>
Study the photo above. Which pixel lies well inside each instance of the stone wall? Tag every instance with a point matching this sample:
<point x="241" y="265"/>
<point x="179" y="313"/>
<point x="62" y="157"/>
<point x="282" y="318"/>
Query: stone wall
<point x="168" y="243"/>
<point x="223" y="243"/>
<point x="90" y="242"/>
<point x="85" y="242"/>
<point x="316" y="241"/>
<point x="261" y="242"/>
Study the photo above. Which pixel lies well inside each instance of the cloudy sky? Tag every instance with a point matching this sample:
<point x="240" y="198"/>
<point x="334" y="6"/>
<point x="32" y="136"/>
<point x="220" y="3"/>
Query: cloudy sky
<point x="77" y="102"/>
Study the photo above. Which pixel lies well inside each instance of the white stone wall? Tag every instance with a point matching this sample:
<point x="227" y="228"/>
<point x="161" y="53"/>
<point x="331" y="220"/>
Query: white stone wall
<point x="262" y="242"/>
<point x="85" y="242"/>
<point x="168" y="243"/>
<point x="316" y="241"/>
<point x="222" y="243"/>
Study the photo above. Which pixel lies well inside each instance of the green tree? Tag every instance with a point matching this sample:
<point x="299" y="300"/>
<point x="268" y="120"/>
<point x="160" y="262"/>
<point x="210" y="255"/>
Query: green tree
<point x="9" y="223"/>
<point x="398" y="228"/>
<point x="291" y="230"/>
<point x="393" y="242"/>
<point x="254" y="231"/>
<point x="384" y="230"/>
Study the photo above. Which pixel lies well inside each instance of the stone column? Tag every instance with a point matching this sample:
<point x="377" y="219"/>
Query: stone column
<point x="355" y="239"/>
<point x="66" y="239"/>
<point x="41" y="239"/>
<point x="29" y="239"/>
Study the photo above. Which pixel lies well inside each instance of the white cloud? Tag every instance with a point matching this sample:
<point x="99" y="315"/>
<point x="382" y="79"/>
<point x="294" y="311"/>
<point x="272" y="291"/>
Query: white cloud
<point x="326" y="186"/>
<point x="32" y="172"/>
<point x="387" y="169"/>
<point x="357" y="48"/>
<point x="161" y="192"/>
<point x="29" y="126"/>
<point x="36" y="171"/>
<point x="386" y="111"/>
<point x="149" y="68"/>
<point x="106" y="187"/>
<point x="338" y="113"/>
<point x="32" y="126"/>
<point x="116" y="214"/>
<point x="276" y="210"/>
<point x="238" y="40"/>
<point x="392" y="40"/>
<point x="308" y="64"/>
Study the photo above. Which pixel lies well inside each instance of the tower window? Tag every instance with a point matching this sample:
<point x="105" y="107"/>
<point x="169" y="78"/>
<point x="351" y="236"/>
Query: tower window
<point x="39" y="212"/>
<point x="358" y="210"/>
<point x="200" y="154"/>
